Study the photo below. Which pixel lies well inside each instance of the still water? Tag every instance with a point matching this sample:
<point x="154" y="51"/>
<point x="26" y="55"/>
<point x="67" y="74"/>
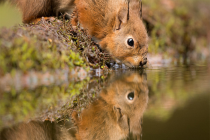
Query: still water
<point x="158" y="103"/>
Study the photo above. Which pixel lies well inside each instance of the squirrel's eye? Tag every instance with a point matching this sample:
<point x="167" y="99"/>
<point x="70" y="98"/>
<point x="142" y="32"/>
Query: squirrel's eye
<point x="130" y="42"/>
<point x="131" y="96"/>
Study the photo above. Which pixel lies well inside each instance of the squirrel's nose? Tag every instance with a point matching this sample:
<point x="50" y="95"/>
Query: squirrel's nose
<point x="142" y="63"/>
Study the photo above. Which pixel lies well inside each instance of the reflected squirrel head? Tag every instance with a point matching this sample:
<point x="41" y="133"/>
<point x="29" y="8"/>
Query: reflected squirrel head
<point x="117" y="111"/>
<point x="130" y="101"/>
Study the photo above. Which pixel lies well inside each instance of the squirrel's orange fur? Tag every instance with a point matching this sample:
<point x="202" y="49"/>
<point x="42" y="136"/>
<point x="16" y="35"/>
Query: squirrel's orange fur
<point x="110" y="22"/>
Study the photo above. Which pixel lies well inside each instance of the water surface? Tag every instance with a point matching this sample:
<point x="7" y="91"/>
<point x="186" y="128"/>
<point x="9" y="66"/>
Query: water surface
<point x="158" y="103"/>
<point x="179" y="104"/>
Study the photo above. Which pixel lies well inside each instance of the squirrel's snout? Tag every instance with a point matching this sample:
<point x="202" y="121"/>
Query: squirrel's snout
<point x="142" y="63"/>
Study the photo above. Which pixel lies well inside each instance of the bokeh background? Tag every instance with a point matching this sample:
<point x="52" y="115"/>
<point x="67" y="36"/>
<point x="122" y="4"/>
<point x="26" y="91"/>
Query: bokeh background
<point x="179" y="29"/>
<point x="9" y="15"/>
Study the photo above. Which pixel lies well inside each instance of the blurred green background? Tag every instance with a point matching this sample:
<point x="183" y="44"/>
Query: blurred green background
<point x="179" y="29"/>
<point x="9" y="15"/>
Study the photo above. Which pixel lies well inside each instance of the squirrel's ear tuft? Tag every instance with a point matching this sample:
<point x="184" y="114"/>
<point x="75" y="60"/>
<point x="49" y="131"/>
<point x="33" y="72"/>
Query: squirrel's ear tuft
<point x="121" y="18"/>
<point x="122" y="119"/>
<point x="141" y="9"/>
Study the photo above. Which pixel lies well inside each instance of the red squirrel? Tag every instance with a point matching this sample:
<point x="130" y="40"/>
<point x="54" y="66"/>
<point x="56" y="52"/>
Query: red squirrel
<point x="116" y="25"/>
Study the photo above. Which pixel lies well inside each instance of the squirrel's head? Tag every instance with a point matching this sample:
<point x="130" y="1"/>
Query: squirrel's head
<point x="128" y="40"/>
<point x="128" y="95"/>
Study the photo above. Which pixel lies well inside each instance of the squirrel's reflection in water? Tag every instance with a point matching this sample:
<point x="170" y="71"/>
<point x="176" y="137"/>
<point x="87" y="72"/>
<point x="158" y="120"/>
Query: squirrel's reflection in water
<point x="115" y="114"/>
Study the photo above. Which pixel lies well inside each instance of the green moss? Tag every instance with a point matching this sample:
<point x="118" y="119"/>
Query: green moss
<point x="29" y="53"/>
